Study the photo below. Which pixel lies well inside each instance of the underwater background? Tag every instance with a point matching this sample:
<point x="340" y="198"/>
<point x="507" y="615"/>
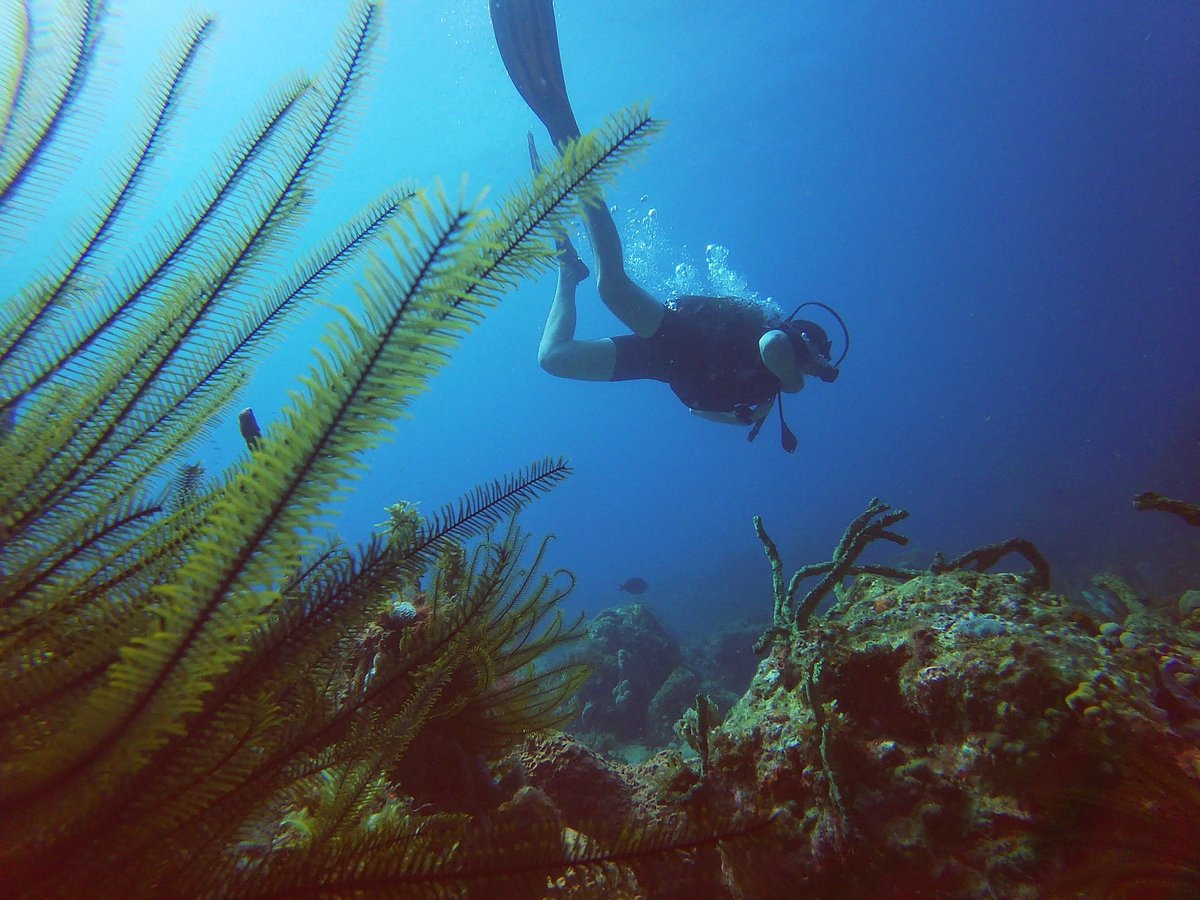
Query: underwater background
<point x="1002" y="200"/>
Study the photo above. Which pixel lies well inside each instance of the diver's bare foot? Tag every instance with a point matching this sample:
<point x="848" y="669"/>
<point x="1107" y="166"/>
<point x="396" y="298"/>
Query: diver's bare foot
<point x="570" y="267"/>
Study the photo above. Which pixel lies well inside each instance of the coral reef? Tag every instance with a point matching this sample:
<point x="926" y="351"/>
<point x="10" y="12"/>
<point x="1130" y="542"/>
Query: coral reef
<point x="962" y="735"/>
<point x="725" y="658"/>
<point x="630" y="656"/>
<point x="202" y="696"/>
<point x="642" y="680"/>
<point x="945" y="732"/>
<point x="1189" y="605"/>
<point x="676" y="694"/>
<point x="941" y="729"/>
<point x="873" y="524"/>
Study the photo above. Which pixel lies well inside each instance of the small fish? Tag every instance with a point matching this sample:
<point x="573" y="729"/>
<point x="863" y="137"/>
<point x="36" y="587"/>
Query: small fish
<point x="633" y="586"/>
<point x="248" y="425"/>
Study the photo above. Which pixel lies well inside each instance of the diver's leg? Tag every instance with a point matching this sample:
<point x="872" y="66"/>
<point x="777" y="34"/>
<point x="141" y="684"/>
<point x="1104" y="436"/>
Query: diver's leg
<point x="628" y="301"/>
<point x="527" y="37"/>
<point x="559" y="353"/>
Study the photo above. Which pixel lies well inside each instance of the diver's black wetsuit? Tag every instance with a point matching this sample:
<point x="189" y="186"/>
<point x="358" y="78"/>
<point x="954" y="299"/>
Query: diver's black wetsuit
<point x="706" y="349"/>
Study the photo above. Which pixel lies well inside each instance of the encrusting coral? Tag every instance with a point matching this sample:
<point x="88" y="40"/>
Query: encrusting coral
<point x="200" y="695"/>
<point x="873" y="524"/>
<point x="951" y="733"/>
<point x="959" y="734"/>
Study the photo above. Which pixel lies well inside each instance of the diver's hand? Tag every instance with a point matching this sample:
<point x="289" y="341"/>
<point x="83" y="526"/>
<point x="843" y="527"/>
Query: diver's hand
<point x="747" y="415"/>
<point x="725" y="418"/>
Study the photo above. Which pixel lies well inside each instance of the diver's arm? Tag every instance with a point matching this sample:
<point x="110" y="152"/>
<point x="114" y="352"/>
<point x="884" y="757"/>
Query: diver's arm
<point x="775" y="348"/>
<point x="726" y="418"/>
<point x="731" y="418"/>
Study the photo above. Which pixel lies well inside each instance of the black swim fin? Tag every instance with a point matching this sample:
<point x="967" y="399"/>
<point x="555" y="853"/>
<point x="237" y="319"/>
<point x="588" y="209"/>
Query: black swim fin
<point x="527" y="38"/>
<point x="787" y="439"/>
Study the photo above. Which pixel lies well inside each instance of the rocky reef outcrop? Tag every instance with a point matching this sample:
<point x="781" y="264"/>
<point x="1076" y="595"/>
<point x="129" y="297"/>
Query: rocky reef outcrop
<point x="631" y="656"/>
<point x="960" y="734"/>
<point x="642" y="680"/>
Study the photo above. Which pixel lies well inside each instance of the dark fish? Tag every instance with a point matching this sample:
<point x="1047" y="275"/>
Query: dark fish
<point x="633" y="586"/>
<point x="248" y="425"/>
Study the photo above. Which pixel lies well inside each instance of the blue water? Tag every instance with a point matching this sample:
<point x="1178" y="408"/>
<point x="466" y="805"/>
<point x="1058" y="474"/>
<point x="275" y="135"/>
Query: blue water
<point x="1002" y="199"/>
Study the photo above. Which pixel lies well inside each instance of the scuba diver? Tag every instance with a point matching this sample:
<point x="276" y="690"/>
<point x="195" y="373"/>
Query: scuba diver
<point x="727" y="359"/>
